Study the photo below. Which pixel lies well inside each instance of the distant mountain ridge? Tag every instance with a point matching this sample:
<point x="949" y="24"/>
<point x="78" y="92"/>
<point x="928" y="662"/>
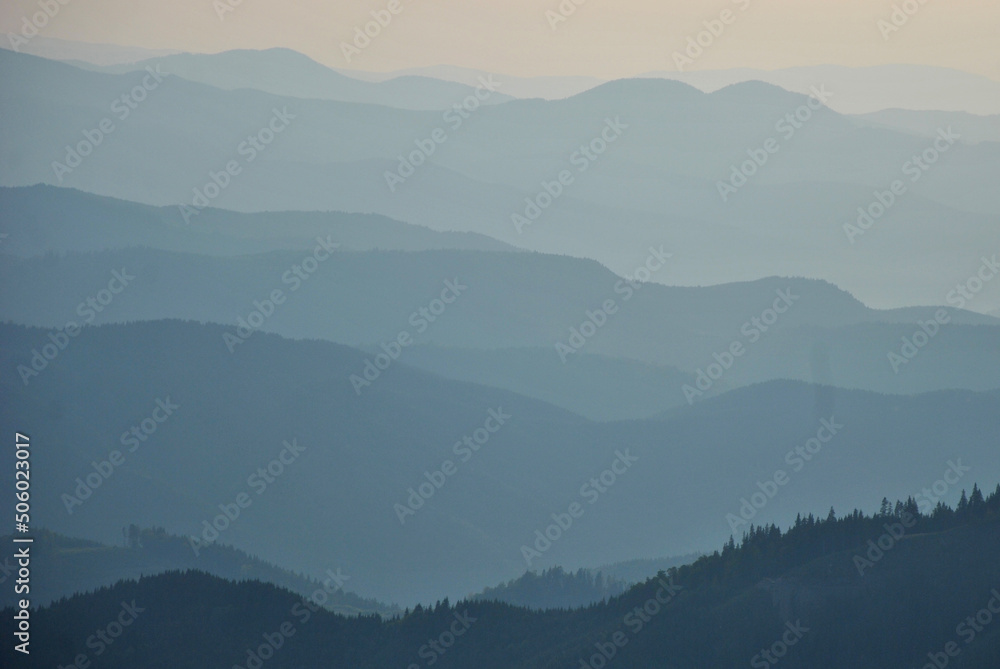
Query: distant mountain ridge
<point x="524" y="300"/>
<point x="862" y="90"/>
<point x="84" y="52"/>
<point x="659" y="182"/>
<point x="44" y="219"/>
<point x="288" y="73"/>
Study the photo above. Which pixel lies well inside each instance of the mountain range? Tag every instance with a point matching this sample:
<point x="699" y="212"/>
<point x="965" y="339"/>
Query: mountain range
<point x="272" y="392"/>
<point x="821" y="595"/>
<point x="796" y="215"/>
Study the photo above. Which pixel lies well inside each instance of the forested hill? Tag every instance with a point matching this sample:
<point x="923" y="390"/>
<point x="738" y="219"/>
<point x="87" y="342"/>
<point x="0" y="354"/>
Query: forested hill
<point x="889" y="591"/>
<point x="555" y="588"/>
<point x="62" y="566"/>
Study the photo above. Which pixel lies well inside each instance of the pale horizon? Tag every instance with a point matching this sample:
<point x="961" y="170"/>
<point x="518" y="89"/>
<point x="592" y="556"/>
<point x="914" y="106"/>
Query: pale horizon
<point x="596" y="40"/>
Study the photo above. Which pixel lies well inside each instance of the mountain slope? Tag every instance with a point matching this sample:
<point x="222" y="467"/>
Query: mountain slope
<point x="594" y="386"/>
<point x="516" y="300"/>
<point x="798" y="595"/>
<point x="44" y="219"/>
<point x="363" y="455"/>
<point x="927" y="123"/>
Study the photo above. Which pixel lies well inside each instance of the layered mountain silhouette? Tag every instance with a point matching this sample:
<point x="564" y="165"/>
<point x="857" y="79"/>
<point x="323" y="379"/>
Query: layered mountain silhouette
<point x="290" y="74"/>
<point x="797" y="596"/>
<point x="322" y="367"/>
<point x="658" y="182"/>
<point x="554" y="305"/>
<point x="336" y="500"/>
<point x="43" y="219"/>
<point x="66" y="566"/>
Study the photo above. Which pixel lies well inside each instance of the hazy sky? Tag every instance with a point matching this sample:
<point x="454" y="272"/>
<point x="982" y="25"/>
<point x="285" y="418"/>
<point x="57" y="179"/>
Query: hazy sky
<point x="606" y="38"/>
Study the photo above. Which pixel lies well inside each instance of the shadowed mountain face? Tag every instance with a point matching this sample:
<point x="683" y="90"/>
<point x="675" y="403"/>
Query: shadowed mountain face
<point x="336" y="501"/>
<point x="662" y="155"/>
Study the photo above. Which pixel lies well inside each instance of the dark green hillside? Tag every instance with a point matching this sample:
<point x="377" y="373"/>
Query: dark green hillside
<point x="798" y="597"/>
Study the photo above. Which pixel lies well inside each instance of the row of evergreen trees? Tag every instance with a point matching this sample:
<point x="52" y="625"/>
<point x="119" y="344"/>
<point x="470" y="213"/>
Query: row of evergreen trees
<point x="764" y="551"/>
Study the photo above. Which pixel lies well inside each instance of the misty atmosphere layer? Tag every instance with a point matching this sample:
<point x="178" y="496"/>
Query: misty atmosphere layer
<point x="562" y="335"/>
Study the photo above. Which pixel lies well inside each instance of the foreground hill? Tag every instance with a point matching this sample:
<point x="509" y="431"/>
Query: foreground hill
<point x="364" y="456"/>
<point x="811" y="598"/>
